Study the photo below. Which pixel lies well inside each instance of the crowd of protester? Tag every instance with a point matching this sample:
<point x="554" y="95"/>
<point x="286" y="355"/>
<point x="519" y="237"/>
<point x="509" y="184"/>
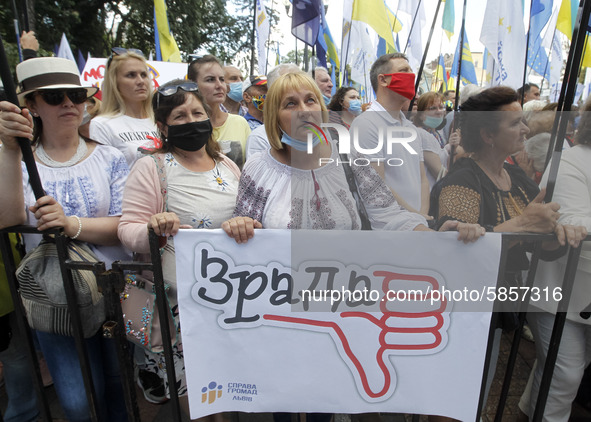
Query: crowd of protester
<point x="234" y="156"/>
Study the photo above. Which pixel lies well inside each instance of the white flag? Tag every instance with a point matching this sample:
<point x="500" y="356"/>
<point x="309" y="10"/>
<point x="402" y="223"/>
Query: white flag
<point x="415" y="49"/>
<point x="556" y="59"/>
<point x="363" y="55"/>
<point x="65" y="51"/>
<point x="503" y="34"/>
<point x="489" y="69"/>
<point x="263" y="29"/>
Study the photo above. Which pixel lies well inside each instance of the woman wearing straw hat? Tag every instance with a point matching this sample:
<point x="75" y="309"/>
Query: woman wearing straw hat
<point x="84" y="185"/>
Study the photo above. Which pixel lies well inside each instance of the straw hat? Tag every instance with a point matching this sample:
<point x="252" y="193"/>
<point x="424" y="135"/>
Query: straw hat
<point x="48" y="73"/>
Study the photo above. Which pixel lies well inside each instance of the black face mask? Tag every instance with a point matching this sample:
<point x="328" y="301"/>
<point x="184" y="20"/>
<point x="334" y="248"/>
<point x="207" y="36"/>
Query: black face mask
<point x="190" y="136"/>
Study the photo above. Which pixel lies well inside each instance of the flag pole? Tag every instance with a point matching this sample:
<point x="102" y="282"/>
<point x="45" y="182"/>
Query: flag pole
<point x="424" y="59"/>
<point x="269" y="39"/>
<point x="567" y="93"/>
<point x="24" y="144"/>
<point x="17" y="31"/>
<point x="546" y="67"/>
<point x="484" y="59"/>
<point x="526" y="52"/>
<point x="461" y="52"/>
<point x="254" y="27"/>
<point x="414" y="19"/>
<point x="456" y="103"/>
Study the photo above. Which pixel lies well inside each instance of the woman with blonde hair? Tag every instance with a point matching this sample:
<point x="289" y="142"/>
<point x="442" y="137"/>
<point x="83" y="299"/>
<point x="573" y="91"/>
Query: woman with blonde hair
<point x="126" y="119"/>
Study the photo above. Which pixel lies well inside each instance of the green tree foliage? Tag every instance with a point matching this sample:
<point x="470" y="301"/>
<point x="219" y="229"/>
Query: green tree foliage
<point x="97" y="25"/>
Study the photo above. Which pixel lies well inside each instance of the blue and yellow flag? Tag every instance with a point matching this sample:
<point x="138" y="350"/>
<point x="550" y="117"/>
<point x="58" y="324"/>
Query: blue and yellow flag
<point x="168" y="48"/>
<point x="468" y="71"/>
<point x="449" y="18"/>
<point x="441" y="74"/>
<point x="378" y="16"/>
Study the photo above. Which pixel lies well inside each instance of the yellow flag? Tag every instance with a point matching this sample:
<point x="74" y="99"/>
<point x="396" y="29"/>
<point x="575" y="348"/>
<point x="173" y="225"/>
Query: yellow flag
<point x="375" y="14"/>
<point x="168" y="48"/>
<point x="566" y="21"/>
<point x="587" y="53"/>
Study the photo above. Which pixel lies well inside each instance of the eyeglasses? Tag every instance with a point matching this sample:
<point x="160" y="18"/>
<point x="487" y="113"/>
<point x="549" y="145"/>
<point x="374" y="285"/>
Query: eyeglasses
<point x="55" y="97"/>
<point x="168" y="90"/>
<point x="119" y="51"/>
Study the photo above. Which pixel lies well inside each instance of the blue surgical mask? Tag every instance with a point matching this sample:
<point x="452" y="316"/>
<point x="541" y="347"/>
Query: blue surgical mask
<point x="433" y="122"/>
<point x="235" y="93"/>
<point x="326" y="99"/>
<point x="355" y="107"/>
<point x="296" y="143"/>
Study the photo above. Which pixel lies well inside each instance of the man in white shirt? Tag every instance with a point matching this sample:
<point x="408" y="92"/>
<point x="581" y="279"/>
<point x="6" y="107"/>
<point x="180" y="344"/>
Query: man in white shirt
<point x="401" y="168"/>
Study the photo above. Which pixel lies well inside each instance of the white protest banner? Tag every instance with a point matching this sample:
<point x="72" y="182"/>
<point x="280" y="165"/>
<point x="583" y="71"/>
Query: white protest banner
<point x="161" y="72"/>
<point x="333" y="321"/>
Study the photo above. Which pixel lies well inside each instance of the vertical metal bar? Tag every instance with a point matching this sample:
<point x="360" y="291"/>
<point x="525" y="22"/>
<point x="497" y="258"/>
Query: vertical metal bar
<point x="491" y="332"/>
<point x="23" y="326"/>
<point x="567" y="93"/>
<point x="112" y="284"/>
<point x="559" y="320"/>
<point x="254" y="26"/>
<point x="412" y="26"/>
<point x="62" y="253"/>
<point x="24" y="144"/>
<point x="417" y="83"/>
<point x="163" y="314"/>
<point x="517" y="335"/>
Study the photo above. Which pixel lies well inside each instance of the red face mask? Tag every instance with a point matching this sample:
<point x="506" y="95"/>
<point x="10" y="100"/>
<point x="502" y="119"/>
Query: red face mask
<point x="402" y="83"/>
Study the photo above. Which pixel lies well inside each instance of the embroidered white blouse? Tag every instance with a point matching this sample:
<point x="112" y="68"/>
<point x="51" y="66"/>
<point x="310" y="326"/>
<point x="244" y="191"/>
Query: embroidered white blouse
<point x="280" y="197"/>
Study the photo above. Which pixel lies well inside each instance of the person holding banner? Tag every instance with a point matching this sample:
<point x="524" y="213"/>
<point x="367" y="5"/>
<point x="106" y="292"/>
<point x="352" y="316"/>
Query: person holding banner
<point x="84" y="185"/>
<point x="229" y="130"/>
<point x="200" y="191"/>
<point x="126" y="119"/>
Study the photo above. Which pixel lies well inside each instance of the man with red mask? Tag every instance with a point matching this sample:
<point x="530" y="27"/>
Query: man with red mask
<point x="388" y="138"/>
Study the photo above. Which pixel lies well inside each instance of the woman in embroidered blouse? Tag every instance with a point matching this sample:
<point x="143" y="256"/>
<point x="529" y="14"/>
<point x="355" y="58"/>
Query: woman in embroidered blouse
<point x="126" y="119"/>
<point x="84" y="185"/>
<point x="200" y="187"/>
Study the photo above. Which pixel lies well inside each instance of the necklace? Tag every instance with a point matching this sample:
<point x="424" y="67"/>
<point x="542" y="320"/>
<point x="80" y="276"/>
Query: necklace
<point x="503" y="183"/>
<point x="50" y="162"/>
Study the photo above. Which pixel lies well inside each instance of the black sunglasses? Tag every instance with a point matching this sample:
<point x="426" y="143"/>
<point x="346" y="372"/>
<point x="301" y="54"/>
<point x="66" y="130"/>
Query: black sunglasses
<point x="118" y="51"/>
<point x="57" y="97"/>
<point x="169" y="90"/>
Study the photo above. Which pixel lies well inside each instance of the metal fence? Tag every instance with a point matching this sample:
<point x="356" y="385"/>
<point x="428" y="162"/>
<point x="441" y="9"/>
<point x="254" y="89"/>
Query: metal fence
<point x="111" y="283"/>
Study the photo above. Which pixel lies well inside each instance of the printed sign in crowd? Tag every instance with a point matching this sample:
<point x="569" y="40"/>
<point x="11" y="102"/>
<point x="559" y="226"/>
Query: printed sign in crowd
<point x="332" y="321"/>
<point x="161" y="72"/>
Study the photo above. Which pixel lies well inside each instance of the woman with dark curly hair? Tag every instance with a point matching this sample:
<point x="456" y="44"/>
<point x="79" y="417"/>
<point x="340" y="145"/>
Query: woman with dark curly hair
<point x="346" y="105"/>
